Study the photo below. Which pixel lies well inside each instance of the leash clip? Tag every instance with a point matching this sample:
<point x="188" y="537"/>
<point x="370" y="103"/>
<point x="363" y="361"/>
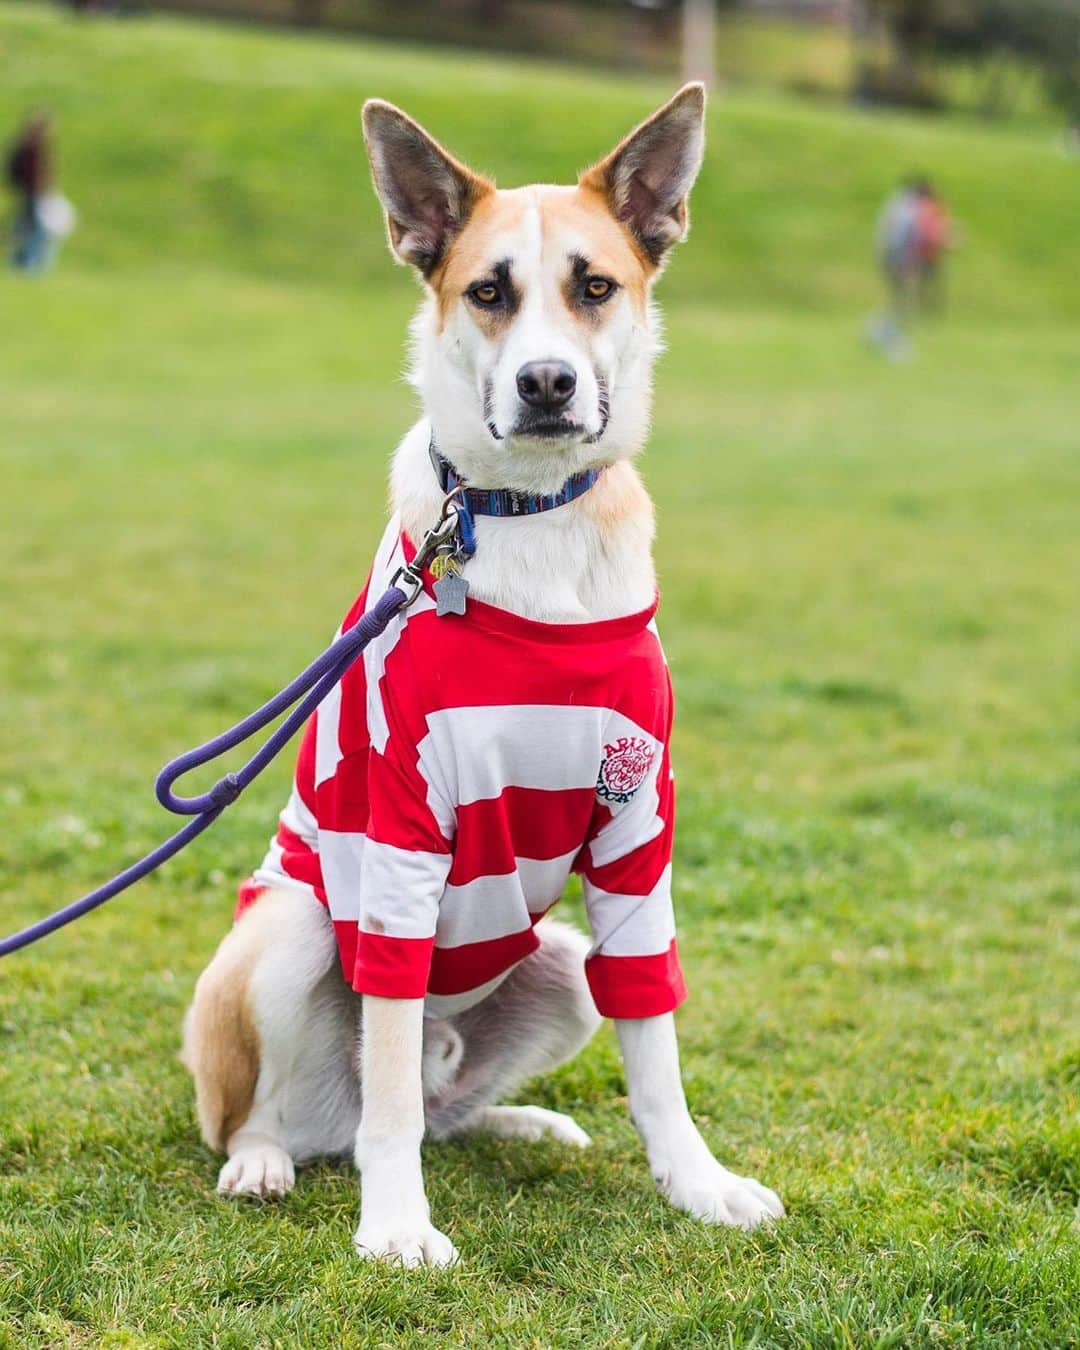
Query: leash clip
<point x="410" y="576"/>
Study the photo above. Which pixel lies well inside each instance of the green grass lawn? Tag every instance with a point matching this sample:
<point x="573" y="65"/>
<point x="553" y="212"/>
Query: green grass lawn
<point x="870" y="584"/>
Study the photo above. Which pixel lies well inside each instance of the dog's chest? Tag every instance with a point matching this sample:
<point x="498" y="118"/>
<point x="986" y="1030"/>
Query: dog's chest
<point x="561" y="572"/>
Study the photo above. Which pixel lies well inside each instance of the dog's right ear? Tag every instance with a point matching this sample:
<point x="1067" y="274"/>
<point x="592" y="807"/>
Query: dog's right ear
<point x="426" y="194"/>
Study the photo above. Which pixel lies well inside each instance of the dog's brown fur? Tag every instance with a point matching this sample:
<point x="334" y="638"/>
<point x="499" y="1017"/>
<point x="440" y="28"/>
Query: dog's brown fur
<point x="221" y="1039"/>
<point x="613" y="250"/>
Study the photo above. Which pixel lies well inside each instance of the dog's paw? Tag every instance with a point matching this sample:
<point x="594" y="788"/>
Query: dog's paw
<point x="259" y="1170"/>
<point x="529" y="1122"/>
<point x="537" y="1122"/>
<point x="409" y="1245"/>
<point x="719" y="1196"/>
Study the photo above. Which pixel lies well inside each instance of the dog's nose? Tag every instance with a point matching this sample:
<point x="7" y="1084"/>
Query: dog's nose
<point x="546" y="384"/>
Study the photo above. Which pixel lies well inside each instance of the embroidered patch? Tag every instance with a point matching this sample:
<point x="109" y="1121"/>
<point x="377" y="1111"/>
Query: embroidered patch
<point x="626" y="766"/>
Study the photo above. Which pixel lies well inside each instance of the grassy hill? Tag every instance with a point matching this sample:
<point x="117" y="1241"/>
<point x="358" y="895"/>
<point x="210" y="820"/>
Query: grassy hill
<point x="244" y="153"/>
<point x="869" y="580"/>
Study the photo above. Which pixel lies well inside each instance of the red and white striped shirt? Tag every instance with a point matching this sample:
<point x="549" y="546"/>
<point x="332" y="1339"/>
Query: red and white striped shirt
<point x="462" y="769"/>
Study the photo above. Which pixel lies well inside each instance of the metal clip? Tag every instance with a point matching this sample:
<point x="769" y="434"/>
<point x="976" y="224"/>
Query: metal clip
<point x="410" y="576"/>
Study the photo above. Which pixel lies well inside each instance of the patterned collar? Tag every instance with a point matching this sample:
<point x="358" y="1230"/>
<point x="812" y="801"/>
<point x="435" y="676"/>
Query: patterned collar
<point x="508" y="501"/>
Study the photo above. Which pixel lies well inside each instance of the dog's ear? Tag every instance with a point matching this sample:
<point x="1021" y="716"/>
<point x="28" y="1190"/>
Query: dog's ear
<point x="426" y="194"/>
<point x="648" y="176"/>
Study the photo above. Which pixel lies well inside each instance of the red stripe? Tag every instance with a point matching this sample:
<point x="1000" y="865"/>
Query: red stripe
<point x="345" y="931"/>
<point x="636" y="986"/>
<point x="356" y="610"/>
<point x="457" y="969"/>
<point x="391" y="967"/>
<point x="343" y="799"/>
<point x="477" y="667"/>
<point x="398" y="813"/>
<point x="397" y="791"/>
<point x="352" y="727"/>
<point x="300" y="862"/>
<point x="248" y="892"/>
<point x="291" y="842"/>
<point x="305" y="766"/>
<point x="637" y="873"/>
<point x="528" y="822"/>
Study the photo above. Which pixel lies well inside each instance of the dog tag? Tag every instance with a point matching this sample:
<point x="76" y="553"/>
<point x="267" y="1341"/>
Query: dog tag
<point x="450" y="592"/>
<point x="443" y="562"/>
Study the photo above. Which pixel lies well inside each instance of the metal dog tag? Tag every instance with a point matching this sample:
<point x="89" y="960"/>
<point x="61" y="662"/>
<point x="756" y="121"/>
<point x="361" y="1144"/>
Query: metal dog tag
<point x="445" y="560"/>
<point x="450" y="592"/>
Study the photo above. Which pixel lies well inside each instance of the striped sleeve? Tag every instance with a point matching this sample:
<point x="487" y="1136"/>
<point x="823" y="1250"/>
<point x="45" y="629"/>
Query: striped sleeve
<point x="406" y="856"/>
<point x="633" y="968"/>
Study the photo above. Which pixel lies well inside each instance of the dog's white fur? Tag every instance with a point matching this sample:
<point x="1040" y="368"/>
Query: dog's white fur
<point x="329" y="1071"/>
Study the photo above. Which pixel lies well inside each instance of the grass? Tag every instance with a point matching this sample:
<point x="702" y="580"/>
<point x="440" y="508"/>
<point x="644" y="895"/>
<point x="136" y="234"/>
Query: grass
<point x="869" y="605"/>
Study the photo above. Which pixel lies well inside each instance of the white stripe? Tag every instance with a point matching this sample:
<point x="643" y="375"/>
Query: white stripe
<point x="631" y="925"/>
<point x="652" y="628"/>
<point x="327" y="746"/>
<point x="399" y="889"/>
<point x="297" y="818"/>
<point x="447" y="1005"/>
<point x="439" y="797"/>
<point x="495" y="906"/>
<point x="341" y="857"/>
<point x="544" y="879"/>
<point x="482" y="910"/>
<point x="380" y="564"/>
<point x="633" y="823"/>
<point x="551" y="747"/>
<point x="328" y="718"/>
<point x="376" y="652"/>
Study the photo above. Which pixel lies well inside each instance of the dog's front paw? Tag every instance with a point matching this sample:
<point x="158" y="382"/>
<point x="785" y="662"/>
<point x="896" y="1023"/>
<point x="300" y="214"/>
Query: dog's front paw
<point x="405" y="1245"/>
<point x="719" y="1196"/>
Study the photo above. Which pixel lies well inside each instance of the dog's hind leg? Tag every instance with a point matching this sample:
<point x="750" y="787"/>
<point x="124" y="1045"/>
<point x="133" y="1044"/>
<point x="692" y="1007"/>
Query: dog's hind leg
<point x="271" y="1040"/>
<point x="528" y="1122"/>
<point x="539" y="1017"/>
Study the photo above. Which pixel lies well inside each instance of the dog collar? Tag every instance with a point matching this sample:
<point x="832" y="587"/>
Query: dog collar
<point x="509" y="501"/>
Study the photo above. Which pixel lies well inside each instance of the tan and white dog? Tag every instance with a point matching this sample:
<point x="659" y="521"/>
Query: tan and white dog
<point x="533" y="357"/>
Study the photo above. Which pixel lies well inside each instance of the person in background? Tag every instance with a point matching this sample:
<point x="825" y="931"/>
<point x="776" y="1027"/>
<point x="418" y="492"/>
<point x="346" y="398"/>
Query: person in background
<point x="43" y="216"/>
<point x="913" y="234"/>
<point x="933" y="238"/>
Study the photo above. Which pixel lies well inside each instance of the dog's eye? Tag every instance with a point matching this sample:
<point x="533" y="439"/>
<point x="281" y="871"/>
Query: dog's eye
<point x="598" y="288"/>
<point x="486" y="294"/>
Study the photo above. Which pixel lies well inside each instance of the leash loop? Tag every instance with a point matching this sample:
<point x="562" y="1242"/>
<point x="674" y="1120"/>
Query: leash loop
<point x="310" y="687"/>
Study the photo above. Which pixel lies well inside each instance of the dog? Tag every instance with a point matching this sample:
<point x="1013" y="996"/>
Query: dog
<point x="391" y="972"/>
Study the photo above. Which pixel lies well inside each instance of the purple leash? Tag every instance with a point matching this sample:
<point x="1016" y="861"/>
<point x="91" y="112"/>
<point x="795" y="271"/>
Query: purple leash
<point x="313" y="684"/>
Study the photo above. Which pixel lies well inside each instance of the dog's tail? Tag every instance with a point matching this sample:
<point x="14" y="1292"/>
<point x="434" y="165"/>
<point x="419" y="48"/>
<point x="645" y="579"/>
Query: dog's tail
<point x="221" y="1044"/>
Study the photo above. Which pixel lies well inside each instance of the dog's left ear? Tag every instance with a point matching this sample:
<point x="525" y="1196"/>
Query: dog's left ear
<point x="648" y="176"/>
<point x="426" y="194"/>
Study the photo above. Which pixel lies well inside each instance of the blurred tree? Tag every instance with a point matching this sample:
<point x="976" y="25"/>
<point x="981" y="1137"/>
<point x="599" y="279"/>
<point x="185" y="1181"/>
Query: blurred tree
<point x="308" y="13"/>
<point x="899" y="43"/>
<point x="1047" y="32"/>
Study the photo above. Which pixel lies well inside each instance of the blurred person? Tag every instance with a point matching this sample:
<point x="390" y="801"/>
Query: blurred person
<point x="43" y="216"/>
<point x="933" y="237"/>
<point x="913" y="233"/>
